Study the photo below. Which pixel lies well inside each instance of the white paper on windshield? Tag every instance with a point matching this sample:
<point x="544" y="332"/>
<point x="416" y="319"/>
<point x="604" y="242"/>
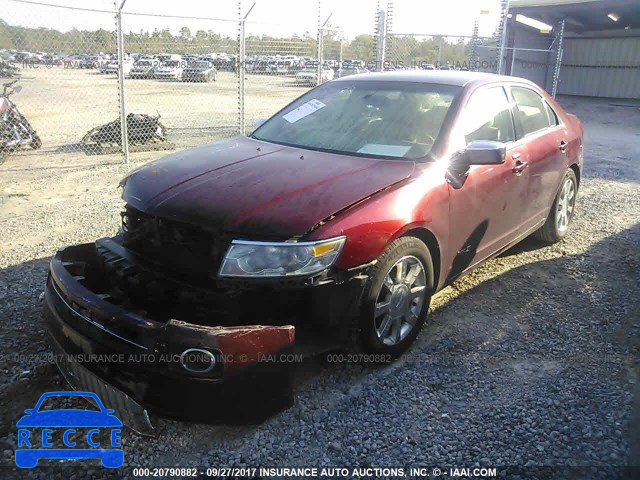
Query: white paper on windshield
<point x="303" y="110"/>
<point x="385" y="150"/>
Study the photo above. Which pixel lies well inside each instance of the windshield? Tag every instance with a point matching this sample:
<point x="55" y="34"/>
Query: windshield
<point x="372" y="118"/>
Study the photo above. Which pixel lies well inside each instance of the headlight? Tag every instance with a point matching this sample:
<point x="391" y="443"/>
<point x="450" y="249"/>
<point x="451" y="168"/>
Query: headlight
<point x="279" y="259"/>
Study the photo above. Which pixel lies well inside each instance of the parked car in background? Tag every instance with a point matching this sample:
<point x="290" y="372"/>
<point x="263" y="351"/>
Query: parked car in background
<point x="142" y="69"/>
<point x="200" y="71"/>
<point x="112" y="66"/>
<point x="309" y="75"/>
<point x="52" y="59"/>
<point x="404" y="182"/>
<point x="169" y="70"/>
<point x="349" y="70"/>
<point x="90" y="61"/>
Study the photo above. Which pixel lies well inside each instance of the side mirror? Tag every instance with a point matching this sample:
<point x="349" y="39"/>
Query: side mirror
<point x="485" y="152"/>
<point x="478" y="152"/>
<point x="260" y="122"/>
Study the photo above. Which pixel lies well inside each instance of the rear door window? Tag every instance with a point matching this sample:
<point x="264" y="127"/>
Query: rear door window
<point x="532" y="111"/>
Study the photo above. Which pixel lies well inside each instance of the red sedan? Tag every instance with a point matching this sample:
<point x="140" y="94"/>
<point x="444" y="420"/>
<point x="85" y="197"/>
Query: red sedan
<point x="332" y="224"/>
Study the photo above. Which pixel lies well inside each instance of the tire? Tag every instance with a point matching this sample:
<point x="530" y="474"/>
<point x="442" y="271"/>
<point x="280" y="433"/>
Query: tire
<point x="557" y="224"/>
<point x="390" y="329"/>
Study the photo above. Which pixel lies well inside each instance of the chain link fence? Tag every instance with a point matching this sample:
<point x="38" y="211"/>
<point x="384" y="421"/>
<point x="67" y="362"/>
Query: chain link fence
<point x="469" y="50"/>
<point x="277" y="70"/>
<point x="62" y="93"/>
<point x="184" y="80"/>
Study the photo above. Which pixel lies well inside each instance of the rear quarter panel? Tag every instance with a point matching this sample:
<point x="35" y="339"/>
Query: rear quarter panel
<point x="574" y="132"/>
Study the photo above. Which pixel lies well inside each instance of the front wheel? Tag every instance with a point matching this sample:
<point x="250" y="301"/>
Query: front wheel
<point x="557" y="224"/>
<point x="396" y="298"/>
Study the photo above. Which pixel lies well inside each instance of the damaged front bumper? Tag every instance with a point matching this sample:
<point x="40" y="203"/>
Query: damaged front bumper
<point x="213" y="373"/>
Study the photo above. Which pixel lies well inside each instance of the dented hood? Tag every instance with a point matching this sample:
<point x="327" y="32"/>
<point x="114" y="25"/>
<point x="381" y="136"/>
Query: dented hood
<point x="248" y="186"/>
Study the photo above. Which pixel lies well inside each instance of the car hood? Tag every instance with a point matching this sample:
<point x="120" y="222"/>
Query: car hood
<point x="247" y="186"/>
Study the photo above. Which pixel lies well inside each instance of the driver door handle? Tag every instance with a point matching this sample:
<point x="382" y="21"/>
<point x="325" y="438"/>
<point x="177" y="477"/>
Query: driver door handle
<point x="563" y="146"/>
<point x="519" y="167"/>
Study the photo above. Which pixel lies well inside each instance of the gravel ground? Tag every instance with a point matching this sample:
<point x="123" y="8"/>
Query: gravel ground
<point x="532" y="360"/>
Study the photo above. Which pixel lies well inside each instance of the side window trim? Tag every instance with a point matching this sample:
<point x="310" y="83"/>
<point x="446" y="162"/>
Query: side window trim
<point x="553" y="112"/>
<point x="519" y="129"/>
<point x="512" y="103"/>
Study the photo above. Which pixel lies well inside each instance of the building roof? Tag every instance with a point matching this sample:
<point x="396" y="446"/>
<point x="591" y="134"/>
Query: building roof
<point x="581" y="15"/>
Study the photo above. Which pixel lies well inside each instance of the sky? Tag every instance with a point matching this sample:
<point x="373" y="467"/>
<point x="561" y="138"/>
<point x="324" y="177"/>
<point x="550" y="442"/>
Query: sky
<point x="271" y="17"/>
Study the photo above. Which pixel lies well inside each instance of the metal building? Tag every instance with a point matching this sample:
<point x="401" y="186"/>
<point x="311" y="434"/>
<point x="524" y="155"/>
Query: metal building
<point x="576" y="47"/>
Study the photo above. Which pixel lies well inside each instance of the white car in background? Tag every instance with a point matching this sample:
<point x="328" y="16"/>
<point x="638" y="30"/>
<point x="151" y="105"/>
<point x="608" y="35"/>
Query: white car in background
<point x="112" y="66"/>
<point x="309" y="76"/>
<point x="169" y="70"/>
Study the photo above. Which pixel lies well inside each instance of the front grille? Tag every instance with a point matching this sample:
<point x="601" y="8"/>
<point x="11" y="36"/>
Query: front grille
<point x="189" y="249"/>
<point x="162" y="295"/>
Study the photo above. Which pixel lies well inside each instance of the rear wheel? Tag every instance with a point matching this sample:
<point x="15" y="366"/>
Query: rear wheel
<point x="557" y="224"/>
<point x="397" y="298"/>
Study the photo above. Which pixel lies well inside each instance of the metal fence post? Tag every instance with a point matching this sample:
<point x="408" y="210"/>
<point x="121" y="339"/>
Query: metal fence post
<point x="321" y="30"/>
<point x="380" y="41"/>
<point x="241" y="62"/>
<point x="558" y="60"/>
<point x="124" y="136"/>
<point x="473" y="54"/>
<point x="502" y="33"/>
<point x="242" y="65"/>
<point x="319" y="56"/>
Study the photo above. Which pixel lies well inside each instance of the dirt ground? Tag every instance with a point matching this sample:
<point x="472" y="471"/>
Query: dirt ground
<point x="63" y="103"/>
<point x="532" y="360"/>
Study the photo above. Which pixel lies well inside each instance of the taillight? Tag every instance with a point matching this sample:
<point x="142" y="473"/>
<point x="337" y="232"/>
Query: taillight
<point x="4" y="105"/>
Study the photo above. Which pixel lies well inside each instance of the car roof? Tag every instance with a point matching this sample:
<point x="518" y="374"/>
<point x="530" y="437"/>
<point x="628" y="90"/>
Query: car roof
<point x="446" y="77"/>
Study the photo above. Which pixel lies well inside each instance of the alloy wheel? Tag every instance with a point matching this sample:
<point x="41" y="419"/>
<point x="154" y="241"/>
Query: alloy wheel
<point x="400" y="300"/>
<point x="566" y="201"/>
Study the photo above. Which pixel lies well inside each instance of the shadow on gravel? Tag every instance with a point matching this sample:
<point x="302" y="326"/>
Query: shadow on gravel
<point x="26" y="372"/>
<point x="588" y="303"/>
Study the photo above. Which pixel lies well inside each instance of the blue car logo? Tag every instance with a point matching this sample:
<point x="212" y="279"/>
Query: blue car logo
<point x="32" y="447"/>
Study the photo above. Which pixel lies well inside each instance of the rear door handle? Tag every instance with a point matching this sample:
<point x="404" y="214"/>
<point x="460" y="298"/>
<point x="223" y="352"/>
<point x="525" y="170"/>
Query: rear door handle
<point x="519" y="167"/>
<point x="563" y="146"/>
